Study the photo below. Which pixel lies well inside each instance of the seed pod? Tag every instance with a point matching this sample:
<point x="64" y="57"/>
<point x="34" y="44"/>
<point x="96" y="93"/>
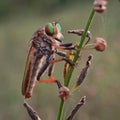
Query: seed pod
<point x="100" y="5"/>
<point x="32" y="113"/>
<point x="100" y="44"/>
<point x="77" y="107"/>
<point x="64" y="93"/>
<point x="84" y="71"/>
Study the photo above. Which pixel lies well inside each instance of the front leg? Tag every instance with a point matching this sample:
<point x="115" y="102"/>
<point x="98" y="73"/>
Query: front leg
<point x="64" y="56"/>
<point x="67" y="46"/>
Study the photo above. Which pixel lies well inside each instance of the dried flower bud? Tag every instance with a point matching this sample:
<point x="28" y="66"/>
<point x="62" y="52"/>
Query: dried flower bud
<point x="32" y="113"/>
<point x="100" y="5"/>
<point x="100" y="44"/>
<point x="64" y="93"/>
<point x="84" y="72"/>
<point x="77" y="107"/>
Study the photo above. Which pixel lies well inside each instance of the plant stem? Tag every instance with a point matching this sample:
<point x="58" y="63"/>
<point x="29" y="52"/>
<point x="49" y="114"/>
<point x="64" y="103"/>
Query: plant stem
<point x="80" y="45"/>
<point x="60" y="113"/>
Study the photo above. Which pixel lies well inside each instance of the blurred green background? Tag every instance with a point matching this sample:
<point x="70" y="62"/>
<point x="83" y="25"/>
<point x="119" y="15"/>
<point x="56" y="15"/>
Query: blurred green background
<point x="19" y="19"/>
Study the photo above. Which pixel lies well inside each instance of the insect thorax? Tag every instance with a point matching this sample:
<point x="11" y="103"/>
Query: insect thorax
<point x="42" y="42"/>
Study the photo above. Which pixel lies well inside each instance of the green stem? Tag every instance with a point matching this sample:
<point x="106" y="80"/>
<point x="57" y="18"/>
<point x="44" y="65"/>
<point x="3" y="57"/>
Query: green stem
<point x="60" y="112"/>
<point x="80" y="46"/>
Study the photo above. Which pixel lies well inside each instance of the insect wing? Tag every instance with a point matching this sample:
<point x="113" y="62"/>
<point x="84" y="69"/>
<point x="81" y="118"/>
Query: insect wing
<point x="28" y="71"/>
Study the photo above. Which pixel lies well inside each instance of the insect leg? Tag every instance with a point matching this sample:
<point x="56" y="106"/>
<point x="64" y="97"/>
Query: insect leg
<point x="65" y="57"/>
<point x="50" y="69"/>
<point x="44" y="67"/>
<point x="68" y="46"/>
<point x="42" y="70"/>
<point x="62" y="59"/>
<point x="61" y="53"/>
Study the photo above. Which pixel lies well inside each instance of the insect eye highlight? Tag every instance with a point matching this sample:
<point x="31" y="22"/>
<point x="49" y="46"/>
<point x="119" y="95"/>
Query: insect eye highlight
<point x="59" y="26"/>
<point x="49" y="29"/>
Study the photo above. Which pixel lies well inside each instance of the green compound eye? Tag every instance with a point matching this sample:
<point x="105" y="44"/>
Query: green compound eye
<point x="59" y="26"/>
<point x="49" y="29"/>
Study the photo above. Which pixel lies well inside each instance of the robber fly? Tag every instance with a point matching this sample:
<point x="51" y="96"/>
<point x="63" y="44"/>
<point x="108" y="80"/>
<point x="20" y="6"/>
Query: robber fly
<point x="44" y="45"/>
